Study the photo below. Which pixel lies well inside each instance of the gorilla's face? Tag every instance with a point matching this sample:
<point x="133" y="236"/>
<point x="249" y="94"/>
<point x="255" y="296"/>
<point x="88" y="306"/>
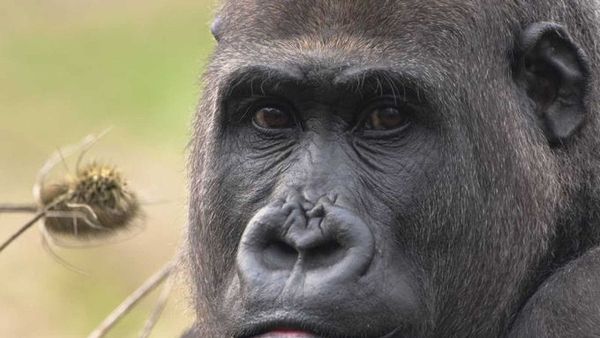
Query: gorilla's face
<point x="324" y="170"/>
<point x="346" y="185"/>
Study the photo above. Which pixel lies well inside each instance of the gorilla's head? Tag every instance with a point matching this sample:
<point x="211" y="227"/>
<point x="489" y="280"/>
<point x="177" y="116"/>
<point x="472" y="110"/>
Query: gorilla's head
<point x="389" y="168"/>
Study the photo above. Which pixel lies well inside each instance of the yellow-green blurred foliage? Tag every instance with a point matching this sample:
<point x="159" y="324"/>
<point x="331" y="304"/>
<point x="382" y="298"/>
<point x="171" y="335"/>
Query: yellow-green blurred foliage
<point x="73" y="67"/>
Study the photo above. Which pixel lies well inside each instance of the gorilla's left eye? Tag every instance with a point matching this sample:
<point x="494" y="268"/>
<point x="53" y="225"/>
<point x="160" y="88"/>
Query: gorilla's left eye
<point x="386" y="118"/>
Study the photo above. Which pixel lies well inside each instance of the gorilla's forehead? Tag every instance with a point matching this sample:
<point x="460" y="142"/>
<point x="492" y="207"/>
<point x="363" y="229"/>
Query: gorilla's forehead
<point x="407" y="20"/>
<point x="425" y="36"/>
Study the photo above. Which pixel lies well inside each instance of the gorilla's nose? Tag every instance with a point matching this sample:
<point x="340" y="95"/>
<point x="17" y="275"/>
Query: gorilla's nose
<point x="312" y="243"/>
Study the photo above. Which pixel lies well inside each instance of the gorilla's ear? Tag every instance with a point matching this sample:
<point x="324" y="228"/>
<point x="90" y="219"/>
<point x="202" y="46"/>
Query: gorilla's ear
<point x="555" y="73"/>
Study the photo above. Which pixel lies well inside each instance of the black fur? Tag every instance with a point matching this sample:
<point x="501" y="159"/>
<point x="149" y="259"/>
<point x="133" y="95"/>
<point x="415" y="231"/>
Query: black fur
<point x="485" y="212"/>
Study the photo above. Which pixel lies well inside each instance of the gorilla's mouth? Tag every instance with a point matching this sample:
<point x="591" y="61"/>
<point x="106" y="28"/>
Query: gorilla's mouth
<point x="286" y="333"/>
<point x="282" y="330"/>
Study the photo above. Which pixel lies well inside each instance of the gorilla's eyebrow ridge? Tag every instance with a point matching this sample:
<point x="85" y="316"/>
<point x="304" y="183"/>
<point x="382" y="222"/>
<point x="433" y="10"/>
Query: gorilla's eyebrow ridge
<point x="259" y="75"/>
<point x="371" y="80"/>
<point x="383" y="79"/>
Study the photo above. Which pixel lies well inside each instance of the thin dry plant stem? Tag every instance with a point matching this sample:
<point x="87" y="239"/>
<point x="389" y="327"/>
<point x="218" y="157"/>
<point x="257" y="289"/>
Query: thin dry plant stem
<point x="41" y="213"/>
<point x="126" y="306"/>
<point x="24" y="228"/>
<point x="18" y="208"/>
<point x="158" y="308"/>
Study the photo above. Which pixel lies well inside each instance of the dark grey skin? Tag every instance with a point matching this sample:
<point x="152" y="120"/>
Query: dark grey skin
<point x="398" y="169"/>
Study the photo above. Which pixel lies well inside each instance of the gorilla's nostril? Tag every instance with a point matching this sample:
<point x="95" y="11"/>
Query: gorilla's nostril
<point x="279" y="255"/>
<point x="324" y="255"/>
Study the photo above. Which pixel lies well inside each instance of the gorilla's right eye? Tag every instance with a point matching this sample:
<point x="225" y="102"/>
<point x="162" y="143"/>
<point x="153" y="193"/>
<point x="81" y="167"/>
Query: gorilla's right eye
<point x="386" y="118"/>
<point x="273" y="118"/>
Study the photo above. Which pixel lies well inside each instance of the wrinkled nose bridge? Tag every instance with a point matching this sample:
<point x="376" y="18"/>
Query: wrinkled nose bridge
<point x="317" y="173"/>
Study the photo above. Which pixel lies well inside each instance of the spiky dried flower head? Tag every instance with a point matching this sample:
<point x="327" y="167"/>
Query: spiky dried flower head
<point x="95" y="202"/>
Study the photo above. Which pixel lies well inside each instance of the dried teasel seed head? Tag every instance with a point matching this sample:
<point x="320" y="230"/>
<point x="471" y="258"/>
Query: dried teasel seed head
<point x="96" y="202"/>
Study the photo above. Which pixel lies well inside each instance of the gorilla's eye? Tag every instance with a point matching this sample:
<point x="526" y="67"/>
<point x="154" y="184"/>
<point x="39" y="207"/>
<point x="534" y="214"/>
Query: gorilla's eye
<point x="386" y="118"/>
<point x="273" y="118"/>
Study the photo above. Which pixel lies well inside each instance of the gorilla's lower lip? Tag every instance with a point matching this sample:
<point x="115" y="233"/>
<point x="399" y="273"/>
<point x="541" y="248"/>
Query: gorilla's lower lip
<point x="286" y="333"/>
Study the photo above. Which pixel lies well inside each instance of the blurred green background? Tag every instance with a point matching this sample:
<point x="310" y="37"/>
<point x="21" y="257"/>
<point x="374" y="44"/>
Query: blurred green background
<point x="69" y="68"/>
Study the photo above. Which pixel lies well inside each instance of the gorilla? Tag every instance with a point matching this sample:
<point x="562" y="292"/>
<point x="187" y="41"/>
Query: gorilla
<point x="398" y="168"/>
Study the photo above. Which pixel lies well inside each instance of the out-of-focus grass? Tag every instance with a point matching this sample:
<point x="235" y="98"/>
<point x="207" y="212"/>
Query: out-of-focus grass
<point x="69" y="68"/>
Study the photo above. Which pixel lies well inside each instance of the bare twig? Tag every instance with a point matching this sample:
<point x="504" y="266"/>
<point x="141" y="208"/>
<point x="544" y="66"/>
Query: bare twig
<point x="18" y="208"/>
<point x="158" y="308"/>
<point x="126" y="306"/>
<point x="21" y="230"/>
<point x="41" y="213"/>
